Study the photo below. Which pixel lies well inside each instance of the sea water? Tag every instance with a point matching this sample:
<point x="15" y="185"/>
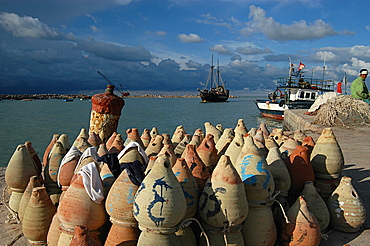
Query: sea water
<point x="38" y="120"/>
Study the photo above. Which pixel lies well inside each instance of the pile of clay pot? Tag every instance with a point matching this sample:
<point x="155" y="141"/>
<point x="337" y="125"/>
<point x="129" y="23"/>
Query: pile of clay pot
<point x="229" y="186"/>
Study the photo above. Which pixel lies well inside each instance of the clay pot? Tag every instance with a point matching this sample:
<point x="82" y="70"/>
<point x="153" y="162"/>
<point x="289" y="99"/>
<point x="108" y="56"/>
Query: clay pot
<point x="77" y="208"/>
<point x="288" y="146"/>
<point x="317" y="205"/>
<point x="118" y="144"/>
<point x="252" y="132"/>
<point x="82" y="237"/>
<point x="154" y="132"/>
<point x="169" y="151"/>
<point x="196" y="166"/>
<point x="122" y="235"/>
<point x="56" y="156"/>
<point x="198" y="132"/>
<point x="299" y="135"/>
<point x="303" y="229"/>
<point x="223" y="202"/>
<point x="158" y="214"/>
<point x="181" y="147"/>
<point x="259" y="227"/>
<point x="207" y="152"/>
<point x="67" y="167"/>
<point x="45" y="158"/>
<point x="347" y="212"/>
<point x="326" y="187"/>
<point x="158" y="239"/>
<point x="235" y="147"/>
<point x="154" y="146"/>
<point x="120" y="200"/>
<point x="277" y="134"/>
<point x="102" y="150"/>
<point x="107" y="178"/>
<point x="65" y="142"/>
<point x="131" y="154"/>
<point x="252" y="168"/>
<point x="265" y="131"/>
<point x="54" y="232"/>
<point x="224" y="141"/>
<point x="327" y="158"/>
<point x="21" y="167"/>
<point x="37" y="217"/>
<point x="167" y="139"/>
<point x="152" y="159"/>
<point x="189" y="186"/>
<point x="133" y="135"/>
<point x="259" y="141"/>
<point x="110" y="140"/>
<point x="211" y="129"/>
<point x="178" y="135"/>
<point x="35" y="157"/>
<point x="240" y="128"/>
<point x="279" y="171"/>
<point x="221" y="238"/>
<point x="309" y="143"/>
<point x="271" y="143"/>
<point x="81" y="142"/>
<point x="186" y="237"/>
<point x="300" y="169"/>
<point x="145" y="137"/>
<point x="94" y="140"/>
<point x="220" y="127"/>
<point x="33" y="183"/>
<point x="90" y="155"/>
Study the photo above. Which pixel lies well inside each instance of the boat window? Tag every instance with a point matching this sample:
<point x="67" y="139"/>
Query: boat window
<point x="308" y="95"/>
<point x="313" y="95"/>
<point x="301" y="94"/>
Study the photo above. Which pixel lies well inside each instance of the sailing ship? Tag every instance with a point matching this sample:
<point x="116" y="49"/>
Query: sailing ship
<point x="214" y="89"/>
<point x="293" y="92"/>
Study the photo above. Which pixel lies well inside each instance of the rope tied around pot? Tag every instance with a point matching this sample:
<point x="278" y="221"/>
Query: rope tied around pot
<point x="280" y="205"/>
<point x="182" y="224"/>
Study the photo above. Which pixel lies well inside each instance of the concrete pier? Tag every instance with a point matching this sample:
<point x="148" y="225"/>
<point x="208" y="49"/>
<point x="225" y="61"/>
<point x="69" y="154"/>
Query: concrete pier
<point x="355" y="144"/>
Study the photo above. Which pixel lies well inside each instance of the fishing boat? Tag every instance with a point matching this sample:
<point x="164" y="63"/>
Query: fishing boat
<point x="214" y="89"/>
<point x="293" y="92"/>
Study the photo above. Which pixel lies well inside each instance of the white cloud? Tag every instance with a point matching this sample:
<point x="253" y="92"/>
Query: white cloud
<point x="191" y="38"/>
<point x="219" y="48"/>
<point x="299" y="30"/>
<point x="249" y="50"/>
<point x="94" y="28"/>
<point x="113" y="51"/>
<point x="28" y="27"/>
<point x="160" y="33"/>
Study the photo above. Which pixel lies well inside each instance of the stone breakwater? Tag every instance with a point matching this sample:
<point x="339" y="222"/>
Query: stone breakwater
<point x="86" y="97"/>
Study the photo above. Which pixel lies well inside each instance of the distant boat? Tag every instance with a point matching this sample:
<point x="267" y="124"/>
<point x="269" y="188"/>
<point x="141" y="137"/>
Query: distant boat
<point x="68" y="100"/>
<point x="214" y="89"/>
<point x="293" y="92"/>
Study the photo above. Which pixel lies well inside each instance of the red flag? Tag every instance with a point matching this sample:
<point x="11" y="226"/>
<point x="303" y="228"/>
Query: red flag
<point x="301" y="66"/>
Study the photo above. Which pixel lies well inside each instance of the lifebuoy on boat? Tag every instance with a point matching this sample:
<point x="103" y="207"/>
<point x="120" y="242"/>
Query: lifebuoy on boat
<point x="275" y="95"/>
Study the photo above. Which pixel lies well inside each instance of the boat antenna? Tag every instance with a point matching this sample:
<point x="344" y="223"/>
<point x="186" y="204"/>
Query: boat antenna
<point x="323" y="69"/>
<point x="345" y="83"/>
<point x="290" y="67"/>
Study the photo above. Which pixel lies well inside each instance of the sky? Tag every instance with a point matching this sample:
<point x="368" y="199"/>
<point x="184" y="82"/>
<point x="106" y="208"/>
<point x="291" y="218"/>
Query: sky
<point x="167" y="45"/>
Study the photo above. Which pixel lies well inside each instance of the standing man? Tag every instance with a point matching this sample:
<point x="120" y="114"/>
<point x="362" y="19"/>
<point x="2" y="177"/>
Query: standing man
<point x="358" y="87"/>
